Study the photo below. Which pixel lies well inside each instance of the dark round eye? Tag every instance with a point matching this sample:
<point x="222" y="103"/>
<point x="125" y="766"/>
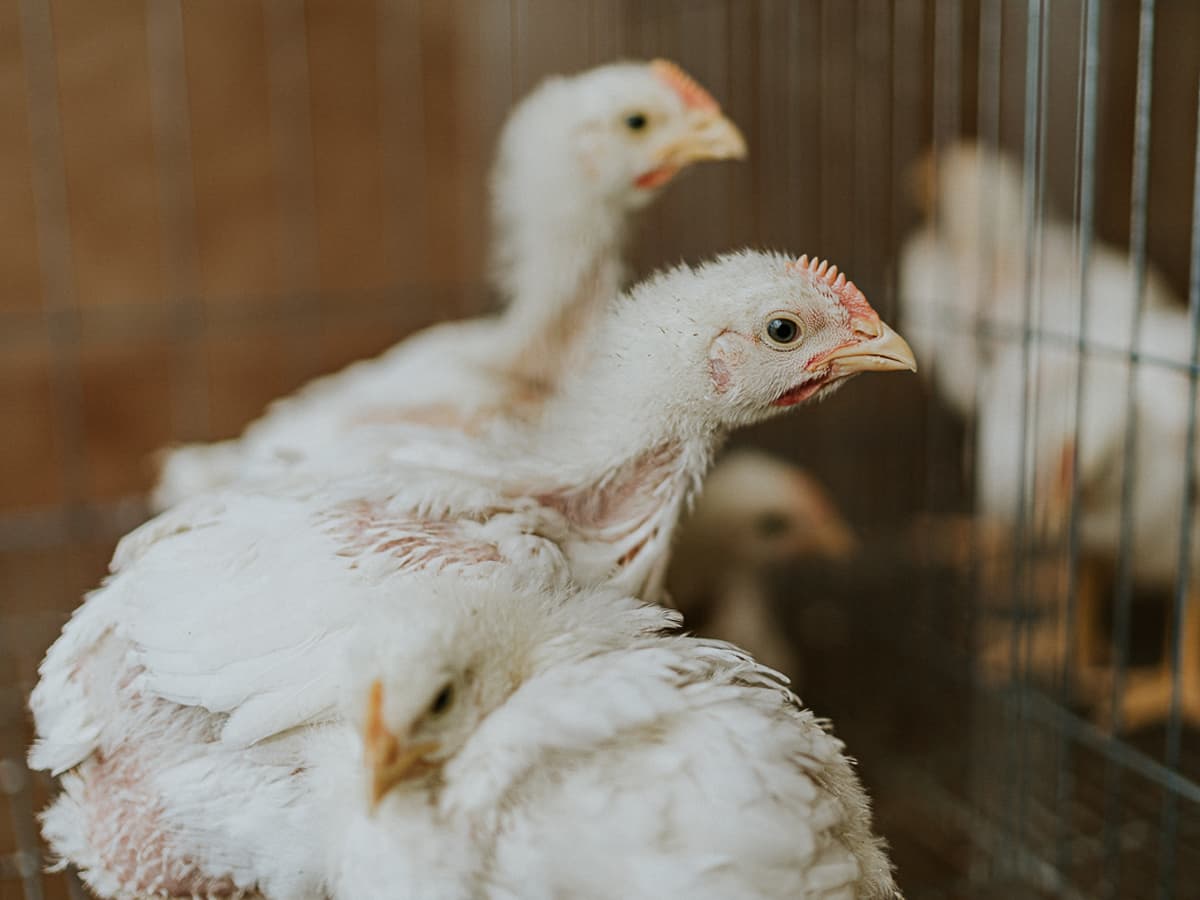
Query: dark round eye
<point x="771" y="524"/>
<point x="784" y="330"/>
<point x="443" y="701"/>
<point x="636" y="121"/>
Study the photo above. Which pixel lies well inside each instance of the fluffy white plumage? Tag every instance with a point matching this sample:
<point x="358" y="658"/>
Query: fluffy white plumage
<point x="959" y="266"/>
<point x="574" y="735"/>
<point x="1042" y="420"/>
<point x="621" y="447"/>
<point x="210" y="652"/>
<point x="968" y="269"/>
<point x="570" y="172"/>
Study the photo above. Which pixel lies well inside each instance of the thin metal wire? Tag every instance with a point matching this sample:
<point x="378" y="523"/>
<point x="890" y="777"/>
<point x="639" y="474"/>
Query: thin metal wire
<point x="947" y="71"/>
<point x="1183" y="597"/>
<point x="1089" y="51"/>
<point x="295" y="169"/>
<point x="14" y="783"/>
<point x="988" y="131"/>
<point x="56" y="258"/>
<point x="956" y="322"/>
<point x="1124" y="587"/>
<point x="1034" y="159"/>
<point x="173" y="152"/>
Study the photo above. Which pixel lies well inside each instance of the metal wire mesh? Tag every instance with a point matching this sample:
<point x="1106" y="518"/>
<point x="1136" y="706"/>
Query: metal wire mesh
<point x="312" y="176"/>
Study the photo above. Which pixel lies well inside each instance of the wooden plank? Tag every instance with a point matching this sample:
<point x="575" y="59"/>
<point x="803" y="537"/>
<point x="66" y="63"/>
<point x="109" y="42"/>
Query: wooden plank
<point x="19" y="271"/>
<point x="237" y="210"/>
<point x="108" y="148"/>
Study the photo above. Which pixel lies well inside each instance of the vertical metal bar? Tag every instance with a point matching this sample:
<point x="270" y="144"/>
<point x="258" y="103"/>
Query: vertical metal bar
<point x="173" y="152"/>
<point x="1124" y="586"/>
<point x="1086" y="190"/>
<point x="74" y="888"/>
<point x="991" y="22"/>
<point x="515" y="41"/>
<point x="14" y="782"/>
<point x="295" y="172"/>
<point x="56" y="258"/>
<point x="1033" y="156"/>
<point x="1183" y="598"/>
<point x="945" y="126"/>
<point x="947" y="60"/>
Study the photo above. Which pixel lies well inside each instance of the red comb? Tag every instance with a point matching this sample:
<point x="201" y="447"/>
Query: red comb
<point x="847" y="293"/>
<point x="683" y="84"/>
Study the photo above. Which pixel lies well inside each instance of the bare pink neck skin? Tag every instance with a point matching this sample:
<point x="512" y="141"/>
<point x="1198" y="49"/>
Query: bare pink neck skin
<point x="624" y="517"/>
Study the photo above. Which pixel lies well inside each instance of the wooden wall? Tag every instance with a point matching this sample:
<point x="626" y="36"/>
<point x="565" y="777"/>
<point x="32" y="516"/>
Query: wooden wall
<point x="204" y="204"/>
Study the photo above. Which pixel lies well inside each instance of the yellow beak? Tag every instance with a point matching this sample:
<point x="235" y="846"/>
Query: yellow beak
<point x="881" y="350"/>
<point x="711" y="136"/>
<point x="390" y="761"/>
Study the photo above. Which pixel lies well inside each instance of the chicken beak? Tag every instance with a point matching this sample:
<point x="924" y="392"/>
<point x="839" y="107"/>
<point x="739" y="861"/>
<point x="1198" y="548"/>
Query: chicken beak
<point x="711" y="136"/>
<point x="390" y="761"/>
<point x="879" y="349"/>
<point x="922" y="183"/>
<point x="834" y="541"/>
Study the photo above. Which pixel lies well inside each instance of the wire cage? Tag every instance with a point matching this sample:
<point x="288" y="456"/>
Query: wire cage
<point x="205" y="205"/>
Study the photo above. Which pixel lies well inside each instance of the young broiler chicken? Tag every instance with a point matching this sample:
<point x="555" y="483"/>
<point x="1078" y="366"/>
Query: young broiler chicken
<point x="1096" y="451"/>
<point x="576" y="159"/>
<point x="478" y="740"/>
<point x="622" y="446"/>
<point x="756" y="511"/>
<point x="976" y="264"/>
<point x="963" y="279"/>
<point x="225" y="610"/>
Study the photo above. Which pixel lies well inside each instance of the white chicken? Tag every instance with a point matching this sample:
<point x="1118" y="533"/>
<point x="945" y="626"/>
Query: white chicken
<point x="512" y="744"/>
<point x="1033" y="427"/>
<point x="622" y="446"/>
<point x="576" y="159"/>
<point x="1061" y="431"/>
<point x="966" y="273"/>
<point x="756" y="511"/>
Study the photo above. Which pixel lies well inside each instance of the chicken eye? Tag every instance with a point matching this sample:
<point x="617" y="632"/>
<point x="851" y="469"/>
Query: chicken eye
<point x="784" y="330"/>
<point x="771" y="524"/>
<point x="635" y="121"/>
<point x="443" y="701"/>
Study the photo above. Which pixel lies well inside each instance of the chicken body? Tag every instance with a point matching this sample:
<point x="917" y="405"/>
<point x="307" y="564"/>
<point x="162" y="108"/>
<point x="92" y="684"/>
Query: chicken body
<point x="969" y="286"/>
<point x="1046" y="419"/>
<point x="570" y="173"/>
<point x="582" y="740"/>
<point x="622" y="446"/>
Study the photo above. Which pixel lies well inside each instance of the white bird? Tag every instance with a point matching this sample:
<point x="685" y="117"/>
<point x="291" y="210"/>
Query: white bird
<point x="1041" y="420"/>
<point x="755" y="512"/>
<point x="576" y="159"/>
<point x="1073" y="427"/>
<point x="966" y="274"/>
<point x="622" y="446"/>
<point x="479" y="741"/>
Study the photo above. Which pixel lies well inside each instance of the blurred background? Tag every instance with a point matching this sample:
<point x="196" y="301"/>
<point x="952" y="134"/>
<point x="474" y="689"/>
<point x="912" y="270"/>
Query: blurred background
<point x="204" y="205"/>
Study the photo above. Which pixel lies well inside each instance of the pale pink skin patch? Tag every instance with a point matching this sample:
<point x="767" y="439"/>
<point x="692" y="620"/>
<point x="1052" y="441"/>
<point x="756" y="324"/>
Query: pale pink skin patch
<point x="724" y="354"/>
<point x="365" y="527"/>
<point x="126" y="827"/>
<point x="622" y="504"/>
<point x="628" y="495"/>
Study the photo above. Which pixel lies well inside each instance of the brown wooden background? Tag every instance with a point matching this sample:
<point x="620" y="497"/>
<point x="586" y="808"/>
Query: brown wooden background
<point x="204" y="204"/>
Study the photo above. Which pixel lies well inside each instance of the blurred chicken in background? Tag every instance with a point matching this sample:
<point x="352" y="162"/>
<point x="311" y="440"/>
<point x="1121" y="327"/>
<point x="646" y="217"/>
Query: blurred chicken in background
<point x="1050" y="428"/>
<point x="756" y="513"/>
<point x="577" y="159"/>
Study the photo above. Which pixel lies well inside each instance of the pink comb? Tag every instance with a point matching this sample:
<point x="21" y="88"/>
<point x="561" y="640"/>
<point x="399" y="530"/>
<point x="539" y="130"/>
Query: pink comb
<point x="851" y="298"/>
<point x="683" y="84"/>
